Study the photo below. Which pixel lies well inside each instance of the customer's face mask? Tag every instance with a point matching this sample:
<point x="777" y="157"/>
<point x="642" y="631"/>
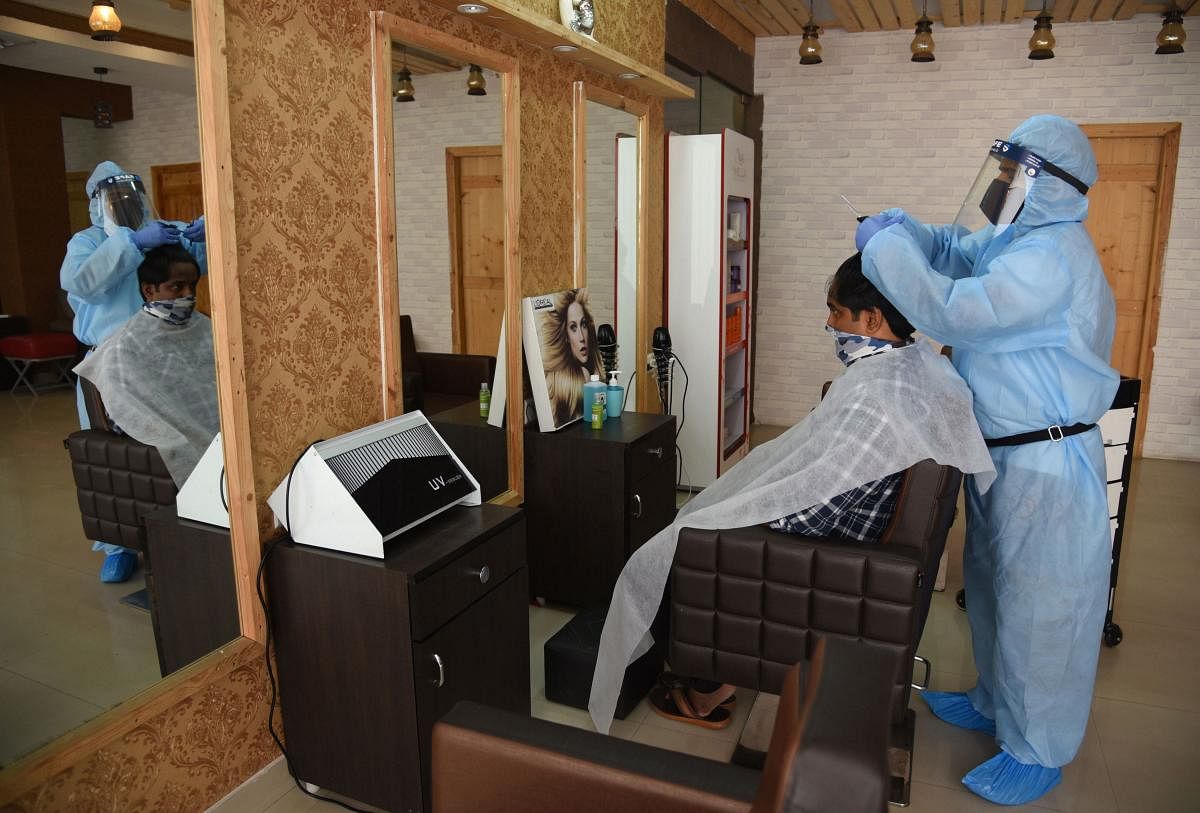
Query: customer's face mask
<point x="173" y="311"/>
<point x="850" y="347"/>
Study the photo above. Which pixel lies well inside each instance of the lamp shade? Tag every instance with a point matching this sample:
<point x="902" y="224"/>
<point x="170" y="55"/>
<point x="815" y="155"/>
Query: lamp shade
<point x="810" y="46"/>
<point x="1171" y="37"/>
<point x="1041" y="44"/>
<point x="476" y="84"/>
<point x="104" y="21"/>
<point x="922" y="43"/>
<point x="404" y="87"/>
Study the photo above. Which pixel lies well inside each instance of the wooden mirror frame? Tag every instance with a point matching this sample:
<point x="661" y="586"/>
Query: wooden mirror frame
<point x="582" y="93"/>
<point x="385" y="26"/>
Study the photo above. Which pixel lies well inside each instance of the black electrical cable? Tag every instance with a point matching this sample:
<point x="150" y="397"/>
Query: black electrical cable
<point x="683" y="401"/>
<point x="262" y="599"/>
<point x="221" y="489"/>
<point x="628" y="387"/>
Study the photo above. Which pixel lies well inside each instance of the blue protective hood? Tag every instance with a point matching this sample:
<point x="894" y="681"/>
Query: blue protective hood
<point x="1052" y="200"/>
<point x="103" y="171"/>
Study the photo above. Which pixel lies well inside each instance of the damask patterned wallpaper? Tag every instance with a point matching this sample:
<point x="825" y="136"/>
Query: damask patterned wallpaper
<point x="300" y="119"/>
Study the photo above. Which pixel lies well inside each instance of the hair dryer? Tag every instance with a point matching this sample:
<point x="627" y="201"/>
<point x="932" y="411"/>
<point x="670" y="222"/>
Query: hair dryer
<point x="606" y="342"/>
<point x="661" y="344"/>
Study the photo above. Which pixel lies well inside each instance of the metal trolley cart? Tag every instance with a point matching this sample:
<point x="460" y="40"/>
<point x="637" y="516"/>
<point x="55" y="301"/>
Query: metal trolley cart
<point x="1119" y="428"/>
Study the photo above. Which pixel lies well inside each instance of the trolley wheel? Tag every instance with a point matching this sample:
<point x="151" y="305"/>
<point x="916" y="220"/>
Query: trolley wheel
<point x="960" y="598"/>
<point x="1112" y="634"/>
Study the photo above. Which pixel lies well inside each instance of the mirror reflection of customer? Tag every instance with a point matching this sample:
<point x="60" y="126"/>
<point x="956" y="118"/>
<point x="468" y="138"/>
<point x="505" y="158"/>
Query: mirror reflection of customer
<point x="99" y="273"/>
<point x="156" y="374"/>
<point x="569" y="353"/>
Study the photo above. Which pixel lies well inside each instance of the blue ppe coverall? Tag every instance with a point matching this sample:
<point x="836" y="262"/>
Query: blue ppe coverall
<point x="1030" y="316"/>
<point x="99" y="275"/>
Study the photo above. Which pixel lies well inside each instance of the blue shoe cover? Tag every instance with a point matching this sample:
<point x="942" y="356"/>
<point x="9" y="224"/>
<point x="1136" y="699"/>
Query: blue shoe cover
<point x="956" y="709"/>
<point x="1005" y="781"/>
<point x="118" y="567"/>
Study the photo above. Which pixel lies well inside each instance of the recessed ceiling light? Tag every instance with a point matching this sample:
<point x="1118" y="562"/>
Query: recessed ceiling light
<point x="565" y="49"/>
<point x="629" y="75"/>
<point x="472" y="8"/>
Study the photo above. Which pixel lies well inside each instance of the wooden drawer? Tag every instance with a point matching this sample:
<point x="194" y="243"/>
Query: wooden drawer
<point x="1114" y="426"/>
<point x="651" y="505"/>
<point x="652" y="450"/>
<point x="458" y="584"/>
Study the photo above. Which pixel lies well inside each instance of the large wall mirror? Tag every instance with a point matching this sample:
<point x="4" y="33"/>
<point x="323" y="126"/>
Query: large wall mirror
<point x="72" y="645"/>
<point x="611" y="152"/>
<point x="446" y="153"/>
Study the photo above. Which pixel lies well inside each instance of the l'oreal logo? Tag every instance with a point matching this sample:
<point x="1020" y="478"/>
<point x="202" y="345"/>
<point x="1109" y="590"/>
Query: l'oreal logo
<point x="541" y="303"/>
<point x="441" y="481"/>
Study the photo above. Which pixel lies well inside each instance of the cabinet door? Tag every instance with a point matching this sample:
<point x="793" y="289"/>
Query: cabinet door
<point x="483" y="655"/>
<point x="651" y="504"/>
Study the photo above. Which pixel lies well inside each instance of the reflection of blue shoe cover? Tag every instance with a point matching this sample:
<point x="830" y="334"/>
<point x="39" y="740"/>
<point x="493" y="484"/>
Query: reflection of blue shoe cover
<point x="118" y="567"/>
<point x="1005" y="781"/>
<point x="956" y="709"/>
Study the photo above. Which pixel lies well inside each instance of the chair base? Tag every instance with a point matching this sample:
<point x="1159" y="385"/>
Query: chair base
<point x="900" y="757"/>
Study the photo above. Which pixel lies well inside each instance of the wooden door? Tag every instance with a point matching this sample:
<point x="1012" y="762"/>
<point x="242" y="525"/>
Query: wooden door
<point x="77" y="200"/>
<point x="179" y="195"/>
<point x="475" y="208"/>
<point x="1129" y="217"/>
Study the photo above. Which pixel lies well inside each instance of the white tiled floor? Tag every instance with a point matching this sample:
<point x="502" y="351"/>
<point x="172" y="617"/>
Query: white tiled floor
<point x="68" y="648"/>
<point x="1141" y="753"/>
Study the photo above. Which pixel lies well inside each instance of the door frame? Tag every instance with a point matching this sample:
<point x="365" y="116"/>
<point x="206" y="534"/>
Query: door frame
<point x="453" y="226"/>
<point x="1168" y="163"/>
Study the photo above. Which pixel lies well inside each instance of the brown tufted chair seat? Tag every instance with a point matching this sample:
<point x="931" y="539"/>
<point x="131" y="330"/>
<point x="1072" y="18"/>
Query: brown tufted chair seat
<point x="117" y="479"/>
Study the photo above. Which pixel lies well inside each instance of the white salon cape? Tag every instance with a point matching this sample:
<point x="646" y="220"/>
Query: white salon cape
<point x="158" y="384"/>
<point x="885" y="413"/>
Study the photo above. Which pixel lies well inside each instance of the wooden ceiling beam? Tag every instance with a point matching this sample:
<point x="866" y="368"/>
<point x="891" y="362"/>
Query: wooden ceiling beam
<point x="908" y="11"/>
<point x="799" y="11"/>
<point x="718" y="18"/>
<point x="971" y="12"/>
<point x="1082" y="11"/>
<point x="1014" y="11"/>
<point x="735" y="10"/>
<point x="784" y="16"/>
<point x="755" y="9"/>
<point x="885" y="14"/>
<point x="1061" y="9"/>
<point x="79" y="25"/>
<point x="993" y="10"/>
<point x="866" y="15"/>
<point x="951" y="14"/>
<point x="845" y="15"/>
<point x="1105" y="9"/>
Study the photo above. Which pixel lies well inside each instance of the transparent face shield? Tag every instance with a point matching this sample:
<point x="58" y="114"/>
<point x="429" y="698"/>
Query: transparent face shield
<point x="123" y="202"/>
<point x="1000" y="189"/>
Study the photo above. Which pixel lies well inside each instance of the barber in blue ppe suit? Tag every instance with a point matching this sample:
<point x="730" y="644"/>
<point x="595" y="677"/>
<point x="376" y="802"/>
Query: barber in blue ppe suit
<point x="1016" y="288"/>
<point x="99" y="275"/>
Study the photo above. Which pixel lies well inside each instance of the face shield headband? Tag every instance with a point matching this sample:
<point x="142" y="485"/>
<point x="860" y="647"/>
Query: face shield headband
<point x="123" y="201"/>
<point x="1004" y="182"/>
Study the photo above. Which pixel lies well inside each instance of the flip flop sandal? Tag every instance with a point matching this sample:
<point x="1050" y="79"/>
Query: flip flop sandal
<point x="672" y="704"/>
<point x="670" y="680"/>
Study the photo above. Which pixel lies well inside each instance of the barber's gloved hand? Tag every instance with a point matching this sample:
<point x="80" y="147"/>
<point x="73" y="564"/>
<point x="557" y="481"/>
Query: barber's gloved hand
<point x="872" y="226"/>
<point x="155" y="234"/>
<point x="195" y="230"/>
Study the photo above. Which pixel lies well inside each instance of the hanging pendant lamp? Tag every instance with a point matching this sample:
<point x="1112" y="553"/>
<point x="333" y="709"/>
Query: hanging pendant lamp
<point x="922" y="42"/>
<point x="404" y="86"/>
<point x="1041" y="44"/>
<point x="810" y="44"/>
<point x="104" y="21"/>
<point x="476" y="84"/>
<point x="102" y="113"/>
<point x="1172" y="36"/>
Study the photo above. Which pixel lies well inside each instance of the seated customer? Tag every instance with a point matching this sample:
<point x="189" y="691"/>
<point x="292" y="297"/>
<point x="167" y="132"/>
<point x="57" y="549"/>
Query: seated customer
<point x="835" y="472"/>
<point x="156" y="373"/>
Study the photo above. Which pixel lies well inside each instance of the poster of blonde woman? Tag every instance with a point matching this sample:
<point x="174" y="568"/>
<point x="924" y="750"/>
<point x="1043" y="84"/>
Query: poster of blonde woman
<point x="560" y="349"/>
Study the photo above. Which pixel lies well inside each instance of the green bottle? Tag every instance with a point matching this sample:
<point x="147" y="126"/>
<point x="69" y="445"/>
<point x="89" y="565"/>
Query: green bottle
<point x="597" y="415"/>
<point x="485" y="400"/>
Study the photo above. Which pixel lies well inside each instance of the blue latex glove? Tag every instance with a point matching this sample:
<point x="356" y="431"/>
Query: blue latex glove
<point x="1006" y="781"/>
<point x="195" y="230"/>
<point x="872" y="226"/>
<point x="155" y="234"/>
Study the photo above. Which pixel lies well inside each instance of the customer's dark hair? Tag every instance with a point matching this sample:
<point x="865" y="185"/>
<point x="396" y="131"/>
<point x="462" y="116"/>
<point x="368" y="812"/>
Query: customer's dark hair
<point x="156" y="267"/>
<point x="850" y="288"/>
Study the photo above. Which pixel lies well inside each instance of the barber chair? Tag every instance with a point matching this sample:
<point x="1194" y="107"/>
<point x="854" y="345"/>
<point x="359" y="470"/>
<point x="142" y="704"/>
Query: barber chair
<point x="747" y="603"/>
<point x="117" y="478"/>
<point x="435" y="382"/>
<point x="828" y="753"/>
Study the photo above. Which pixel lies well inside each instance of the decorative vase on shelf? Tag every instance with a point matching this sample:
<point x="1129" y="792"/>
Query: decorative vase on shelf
<point x="578" y="15"/>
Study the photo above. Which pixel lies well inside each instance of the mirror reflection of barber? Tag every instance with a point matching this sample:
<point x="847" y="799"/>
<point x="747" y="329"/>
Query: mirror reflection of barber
<point x="1015" y="286"/>
<point x="99" y="272"/>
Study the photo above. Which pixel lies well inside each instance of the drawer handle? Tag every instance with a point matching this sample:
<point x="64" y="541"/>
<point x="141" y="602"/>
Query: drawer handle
<point x="656" y="451"/>
<point x="637" y="502"/>
<point x="484" y="573"/>
<point x="441" y="678"/>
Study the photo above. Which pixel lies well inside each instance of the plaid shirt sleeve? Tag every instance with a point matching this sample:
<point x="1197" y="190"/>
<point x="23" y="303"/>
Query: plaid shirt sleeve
<point x="858" y="515"/>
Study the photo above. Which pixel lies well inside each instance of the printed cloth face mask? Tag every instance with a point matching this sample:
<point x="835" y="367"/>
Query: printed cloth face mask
<point x="173" y="311"/>
<point x="850" y="347"/>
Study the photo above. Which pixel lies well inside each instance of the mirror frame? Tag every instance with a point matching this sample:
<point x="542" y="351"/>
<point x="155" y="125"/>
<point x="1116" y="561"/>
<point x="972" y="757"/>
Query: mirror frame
<point x="385" y="26"/>
<point x="581" y="94"/>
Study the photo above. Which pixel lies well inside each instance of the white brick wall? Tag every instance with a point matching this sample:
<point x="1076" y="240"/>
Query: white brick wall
<point x="884" y="131"/>
<point x="442" y="116"/>
<point x="163" y="130"/>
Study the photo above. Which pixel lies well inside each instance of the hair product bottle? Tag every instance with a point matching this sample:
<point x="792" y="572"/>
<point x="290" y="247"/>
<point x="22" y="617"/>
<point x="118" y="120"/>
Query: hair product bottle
<point x="594" y="392"/>
<point x="615" y="395"/>
<point x="485" y="400"/>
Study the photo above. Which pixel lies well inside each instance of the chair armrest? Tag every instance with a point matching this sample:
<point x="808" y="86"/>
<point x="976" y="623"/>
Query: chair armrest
<point x="487" y="759"/>
<point x="455" y="373"/>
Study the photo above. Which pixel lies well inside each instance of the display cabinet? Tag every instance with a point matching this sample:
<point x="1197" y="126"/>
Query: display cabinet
<point x="710" y="252"/>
